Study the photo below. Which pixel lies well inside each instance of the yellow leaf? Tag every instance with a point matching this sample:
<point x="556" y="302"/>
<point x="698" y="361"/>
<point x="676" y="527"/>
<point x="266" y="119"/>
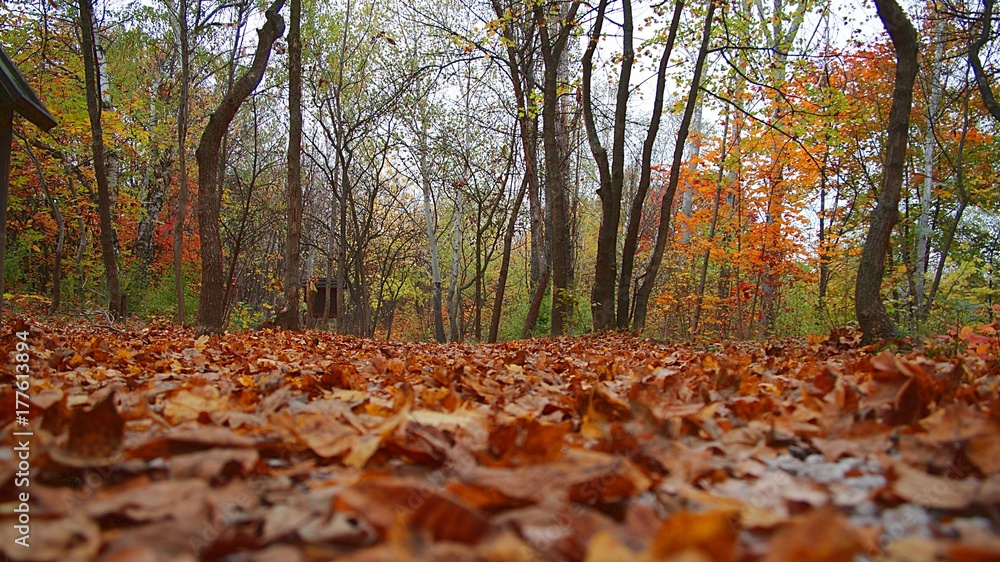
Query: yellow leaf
<point x="966" y="333"/>
<point x="201" y="343"/>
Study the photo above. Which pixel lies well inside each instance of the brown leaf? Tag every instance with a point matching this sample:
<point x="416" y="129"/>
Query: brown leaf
<point x="822" y="535"/>
<point x="140" y="501"/>
<point x="187" y="405"/>
<point x="96" y="433"/>
<point x="70" y="539"/>
<point x="712" y="533"/>
<point x="210" y="464"/>
<point x="918" y="487"/>
<point x="526" y="441"/>
<point x="326" y="436"/>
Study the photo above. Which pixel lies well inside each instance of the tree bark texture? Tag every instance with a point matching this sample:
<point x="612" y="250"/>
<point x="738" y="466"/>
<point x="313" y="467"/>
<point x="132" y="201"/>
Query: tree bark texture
<point x="982" y="80"/>
<point x="100" y="170"/>
<point x="556" y="189"/>
<point x="211" y="303"/>
<point x="184" y="47"/>
<point x="293" y="238"/>
<point x="612" y="177"/>
<point x="872" y="316"/>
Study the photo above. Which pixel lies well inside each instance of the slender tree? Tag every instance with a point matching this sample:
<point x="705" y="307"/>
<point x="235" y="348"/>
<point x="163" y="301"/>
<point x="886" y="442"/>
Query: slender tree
<point x="923" y="223"/>
<point x="60" y="226"/>
<point x="182" y="33"/>
<point x="663" y="230"/>
<point x="290" y="314"/>
<point x="100" y="170"/>
<point x="975" y="48"/>
<point x="872" y="316"/>
<point x="555" y="25"/>
<point x="211" y="303"/>
<point x="631" y="243"/>
<point x="611" y="175"/>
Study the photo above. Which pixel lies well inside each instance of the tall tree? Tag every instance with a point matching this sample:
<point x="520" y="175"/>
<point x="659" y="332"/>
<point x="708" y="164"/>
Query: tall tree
<point x="100" y="170"/>
<point x="780" y="28"/>
<point x="290" y="313"/>
<point x="631" y="244"/>
<point x="211" y="302"/>
<point x="519" y="37"/>
<point x="430" y="220"/>
<point x="923" y="224"/>
<point x="874" y="320"/>
<point x="611" y="176"/>
<point x="60" y="226"/>
<point x="182" y="33"/>
<point x="555" y="26"/>
<point x="663" y="230"/>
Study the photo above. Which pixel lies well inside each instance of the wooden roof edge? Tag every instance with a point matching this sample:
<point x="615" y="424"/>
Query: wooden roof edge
<point x="18" y="93"/>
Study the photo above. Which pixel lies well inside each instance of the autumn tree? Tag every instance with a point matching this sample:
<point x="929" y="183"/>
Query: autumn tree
<point x="212" y="300"/>
<point x="556" y="23"/>
<point x="645" y="290"/>
<point x="108" y="248"/>
<point x="611" y="175"/>
<point x="872" y="316"/>
<point x="290" y="313"/>
<point x="986" y="30"/>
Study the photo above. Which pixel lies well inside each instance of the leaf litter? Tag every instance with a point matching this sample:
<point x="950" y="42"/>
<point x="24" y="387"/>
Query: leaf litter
<point x="258" y="446"/>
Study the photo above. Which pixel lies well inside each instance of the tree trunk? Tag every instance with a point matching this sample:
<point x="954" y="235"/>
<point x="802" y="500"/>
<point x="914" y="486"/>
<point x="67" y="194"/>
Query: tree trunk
<point x="720" y="180"/>
<point x="872" y="316"/>
<point x="454" y="290"/>
<point x="963" y="201"/>
<point x="508" y="240"/>
<point x="432" y="239"/>
<point x="772" y="255"/>
<point x="611" y="177"/>
<point x="975" y="47"/>
<point x="631" y="244"/>
<point x="289" y="318"/>
<point x="184" y="47"/>
<point x="663" y="231"/>
<point x="555" y="157"/>
<point x="100" y="171"/>
<point x="923" y="230"/>
<point x="520" y="65"/>
<point x="60" y="236"/>
<point x="157" y="182"/>
<point x="345" y="186"/>
<point x="212" y="299"/>
<point x="328" y="290"/>
<point x="687" y="198"/>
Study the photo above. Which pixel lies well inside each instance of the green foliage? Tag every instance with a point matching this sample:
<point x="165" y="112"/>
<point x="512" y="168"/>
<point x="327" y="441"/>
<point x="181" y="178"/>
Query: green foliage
<point x="245" y="316"/>
<point x="157" y="297"/>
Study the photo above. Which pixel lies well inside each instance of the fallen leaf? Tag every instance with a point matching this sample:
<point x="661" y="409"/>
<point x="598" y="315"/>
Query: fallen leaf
<point x="822" y="535"/>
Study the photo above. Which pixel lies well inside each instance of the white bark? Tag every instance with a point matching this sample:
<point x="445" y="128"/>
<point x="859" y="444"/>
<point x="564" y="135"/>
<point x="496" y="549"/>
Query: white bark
<point x="693" y="151"/>
<point x="923" y="230"/>
<point x="454" y="291"/>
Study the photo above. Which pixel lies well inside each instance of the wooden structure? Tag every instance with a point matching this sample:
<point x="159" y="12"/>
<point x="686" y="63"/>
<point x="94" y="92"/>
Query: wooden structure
<point x="15" y="96"/>
<point x="315" y="295"/>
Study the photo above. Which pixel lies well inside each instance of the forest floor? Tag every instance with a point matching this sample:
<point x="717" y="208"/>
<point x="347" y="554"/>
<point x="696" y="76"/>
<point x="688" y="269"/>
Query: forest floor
<point x="148" y="444"/>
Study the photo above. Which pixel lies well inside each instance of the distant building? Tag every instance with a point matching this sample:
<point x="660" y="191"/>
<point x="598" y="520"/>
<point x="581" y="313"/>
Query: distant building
<point x="315" y="295"/>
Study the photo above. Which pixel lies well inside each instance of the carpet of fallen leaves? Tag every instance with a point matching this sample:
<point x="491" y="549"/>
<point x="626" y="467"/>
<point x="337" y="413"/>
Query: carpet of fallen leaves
<point x="151" y="444"/>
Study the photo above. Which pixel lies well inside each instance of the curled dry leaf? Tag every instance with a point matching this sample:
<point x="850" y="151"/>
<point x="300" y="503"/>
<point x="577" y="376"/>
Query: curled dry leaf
<point x="274" y="445"/>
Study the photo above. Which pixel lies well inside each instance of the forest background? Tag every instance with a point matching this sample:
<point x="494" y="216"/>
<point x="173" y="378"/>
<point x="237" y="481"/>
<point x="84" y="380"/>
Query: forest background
<point x="692" y="170"/>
